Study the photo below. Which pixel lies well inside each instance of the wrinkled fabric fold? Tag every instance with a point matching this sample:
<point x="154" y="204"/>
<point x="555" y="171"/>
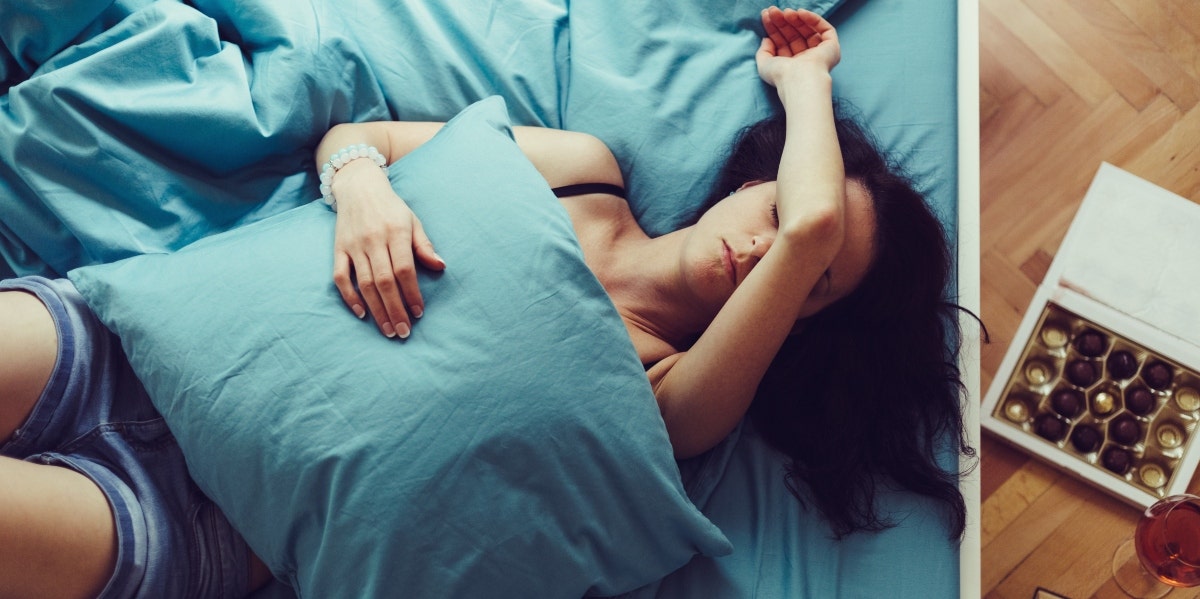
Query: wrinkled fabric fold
<point x="160" y="123"/>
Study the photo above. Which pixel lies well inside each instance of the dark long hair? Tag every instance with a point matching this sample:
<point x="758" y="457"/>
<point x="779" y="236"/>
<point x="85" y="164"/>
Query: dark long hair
<point x="869" y="393"/>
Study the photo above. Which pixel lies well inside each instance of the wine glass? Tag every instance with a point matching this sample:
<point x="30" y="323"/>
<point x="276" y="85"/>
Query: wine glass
<point x="1164" y="552"/>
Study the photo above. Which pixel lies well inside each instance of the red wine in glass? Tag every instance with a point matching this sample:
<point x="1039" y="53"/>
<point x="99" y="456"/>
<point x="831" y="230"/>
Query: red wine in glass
<point x="1167" y="540"/>
<point x="1164" y="552"/>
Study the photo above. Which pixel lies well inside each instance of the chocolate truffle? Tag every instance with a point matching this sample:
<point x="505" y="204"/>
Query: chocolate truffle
<point x="1122" y="365"/>
<point x="1116" y="459"/>
<point x="1140" y="400"/>
<point x="1090" y="343"/>
<point x="1081" y="372"/>
<point x="1049" y="427"/>
<point x="1086" y="438"/>
<point x="1158" y="375"/>
<point x="1124" y="430"/>
<point x="1067" y="402"/>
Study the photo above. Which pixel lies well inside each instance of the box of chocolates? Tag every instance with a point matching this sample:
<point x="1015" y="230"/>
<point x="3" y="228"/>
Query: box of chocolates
<point x="1125" y="412"/>
<point x="1098" y="379"/>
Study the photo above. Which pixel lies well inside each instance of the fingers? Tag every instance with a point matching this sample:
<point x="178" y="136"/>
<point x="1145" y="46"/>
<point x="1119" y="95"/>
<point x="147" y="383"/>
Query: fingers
<point x="393" y="279"/>
<point x="376" y="257"/>
<point x="366" y="286"/>
<point x="804" y="30"/>
<point x="389" y="287"/>
<point x="386" y="284"/>
<point x="779" y="31"/>
<point x="811" y="20"/>
<point x="793" y="31"/>
<point x="423" y="248"/>
<point x="345" y="284"/>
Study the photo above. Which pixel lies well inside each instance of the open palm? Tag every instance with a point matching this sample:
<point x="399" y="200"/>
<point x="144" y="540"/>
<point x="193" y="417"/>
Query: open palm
<point x="794" y="37"/>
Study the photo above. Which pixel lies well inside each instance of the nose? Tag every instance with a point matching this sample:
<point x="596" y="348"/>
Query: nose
<point x="759" y="244"/>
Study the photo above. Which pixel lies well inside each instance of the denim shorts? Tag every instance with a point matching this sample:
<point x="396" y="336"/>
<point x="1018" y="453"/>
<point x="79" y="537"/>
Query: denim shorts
<point x="95" y="417"/>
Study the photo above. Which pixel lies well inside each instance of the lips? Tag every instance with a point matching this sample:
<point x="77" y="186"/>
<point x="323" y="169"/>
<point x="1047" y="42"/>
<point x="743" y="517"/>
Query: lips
<point x="730" y="265"/>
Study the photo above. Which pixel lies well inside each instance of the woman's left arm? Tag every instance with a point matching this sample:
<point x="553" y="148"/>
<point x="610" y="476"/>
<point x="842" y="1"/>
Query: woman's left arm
<point x="703" y="392"/>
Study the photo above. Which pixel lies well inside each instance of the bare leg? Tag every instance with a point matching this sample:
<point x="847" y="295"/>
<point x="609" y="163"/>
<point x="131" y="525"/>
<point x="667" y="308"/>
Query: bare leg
<point x="59" y="539"/>
<point x="29" y="344"/>
<point x="57" y="536"/>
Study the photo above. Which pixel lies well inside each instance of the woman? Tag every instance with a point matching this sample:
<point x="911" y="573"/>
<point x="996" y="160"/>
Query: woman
<point x="712" y="312"/>
<point x="708" y="308"/>
<point x="669" y="289"/>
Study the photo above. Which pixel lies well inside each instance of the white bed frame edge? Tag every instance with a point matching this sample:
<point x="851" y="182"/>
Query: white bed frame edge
<point x="970" y="577"/>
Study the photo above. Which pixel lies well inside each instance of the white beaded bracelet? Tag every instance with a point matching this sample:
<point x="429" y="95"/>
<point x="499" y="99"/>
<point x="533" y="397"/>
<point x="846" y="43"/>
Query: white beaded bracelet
<point x="340" y="159"/>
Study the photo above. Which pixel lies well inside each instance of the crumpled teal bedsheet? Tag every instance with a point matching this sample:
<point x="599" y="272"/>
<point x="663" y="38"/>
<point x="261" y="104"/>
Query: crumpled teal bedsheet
<point x="133" y="126"/>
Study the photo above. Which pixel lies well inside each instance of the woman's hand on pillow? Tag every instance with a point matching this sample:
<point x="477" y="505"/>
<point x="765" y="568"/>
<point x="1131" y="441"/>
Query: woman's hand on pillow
<point x="377" y="244"/>
<point x="795" y="39"/>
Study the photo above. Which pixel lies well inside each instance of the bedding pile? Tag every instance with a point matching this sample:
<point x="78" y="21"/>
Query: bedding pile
<point x="160" y="151"/>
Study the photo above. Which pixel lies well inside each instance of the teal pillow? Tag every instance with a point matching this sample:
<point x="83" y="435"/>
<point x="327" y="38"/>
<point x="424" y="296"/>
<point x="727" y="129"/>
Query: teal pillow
<point x="511" y="447"/>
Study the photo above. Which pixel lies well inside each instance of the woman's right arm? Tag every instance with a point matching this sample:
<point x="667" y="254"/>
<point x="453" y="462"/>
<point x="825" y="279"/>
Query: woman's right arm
<point x="796" y="58"/>
<point x="703" y="392"/>
<point x="379" y="241"/>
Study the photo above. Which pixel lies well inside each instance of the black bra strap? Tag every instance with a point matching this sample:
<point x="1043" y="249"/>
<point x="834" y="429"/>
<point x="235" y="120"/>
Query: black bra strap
<point x="582" y="188"/>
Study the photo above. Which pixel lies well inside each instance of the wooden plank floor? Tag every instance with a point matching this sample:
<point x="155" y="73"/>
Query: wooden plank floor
<point x="1065" y="85"/>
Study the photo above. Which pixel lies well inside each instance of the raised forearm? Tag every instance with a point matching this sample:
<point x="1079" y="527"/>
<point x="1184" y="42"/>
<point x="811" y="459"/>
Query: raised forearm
<point x="811" y="178"/>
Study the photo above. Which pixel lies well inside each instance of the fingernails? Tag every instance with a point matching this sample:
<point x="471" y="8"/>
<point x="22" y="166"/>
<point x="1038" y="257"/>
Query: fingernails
<point x="388" y="331"/>
<point x="403" y="331"/>
<point x="417" y="311"/>
<point x="358" y="311"/>
<point x="439" y="259"/>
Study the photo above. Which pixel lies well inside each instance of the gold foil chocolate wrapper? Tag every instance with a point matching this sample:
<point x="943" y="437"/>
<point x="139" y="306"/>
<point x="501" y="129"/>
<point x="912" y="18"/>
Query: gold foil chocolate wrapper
<point x="1016" y="410"/>
<point x="1169" y="435"/>
<point x="1188" y="399"/>
<point x="1104" y="403"/>
<point x="1037" y="373"/>
<point x="1152" y="475"/>
<point x="1129" y="387"/>
<point x="1054" y="337"/>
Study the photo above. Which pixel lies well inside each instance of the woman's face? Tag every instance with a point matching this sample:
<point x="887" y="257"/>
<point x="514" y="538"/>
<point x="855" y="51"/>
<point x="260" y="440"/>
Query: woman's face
<point x="732" y="236"/>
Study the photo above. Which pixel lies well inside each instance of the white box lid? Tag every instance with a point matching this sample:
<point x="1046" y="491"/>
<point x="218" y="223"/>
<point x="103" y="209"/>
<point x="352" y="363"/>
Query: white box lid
<point x="1135" y="247"/>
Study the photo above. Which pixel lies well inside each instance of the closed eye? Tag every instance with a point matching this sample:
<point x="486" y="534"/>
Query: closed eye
<point x="775" y="213"/>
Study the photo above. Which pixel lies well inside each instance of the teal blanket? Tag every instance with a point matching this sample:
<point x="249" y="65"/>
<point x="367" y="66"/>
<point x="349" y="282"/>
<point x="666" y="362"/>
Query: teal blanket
<point x="134" y="126"/>
<point x="140" y="126"/>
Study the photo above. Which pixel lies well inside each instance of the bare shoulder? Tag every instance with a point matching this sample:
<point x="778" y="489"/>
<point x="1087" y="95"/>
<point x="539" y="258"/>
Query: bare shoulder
<point x="569" y="157"/>
<point x="652" y="350"/>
